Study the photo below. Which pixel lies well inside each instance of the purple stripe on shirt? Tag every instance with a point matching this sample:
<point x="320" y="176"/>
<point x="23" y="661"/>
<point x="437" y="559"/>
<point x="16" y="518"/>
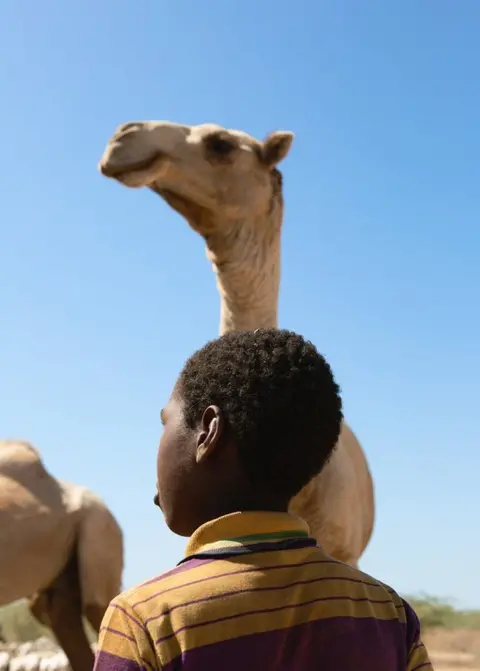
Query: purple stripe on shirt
<point x="335" y="644"/>
<point x="122" y="634"/>
<point x="174" y="571"/>
<point x="139" y="624"/>
<point x="192" y="563"/>
<point x="106" y="661"/>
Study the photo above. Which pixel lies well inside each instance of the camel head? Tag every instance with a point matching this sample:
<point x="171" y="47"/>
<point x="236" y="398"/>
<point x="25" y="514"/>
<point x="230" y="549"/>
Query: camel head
<point x="218" y="179"/>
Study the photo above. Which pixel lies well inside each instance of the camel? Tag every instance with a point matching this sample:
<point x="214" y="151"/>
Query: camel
<point x="228" y="188"/>
<point x="60" y="547"/>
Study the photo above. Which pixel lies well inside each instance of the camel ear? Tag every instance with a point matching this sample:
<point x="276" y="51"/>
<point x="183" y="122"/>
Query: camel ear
<point x="276" y="146"/>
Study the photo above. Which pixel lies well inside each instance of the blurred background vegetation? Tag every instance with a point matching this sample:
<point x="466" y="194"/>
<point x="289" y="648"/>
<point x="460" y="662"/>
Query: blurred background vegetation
<point x="437" y="612"/>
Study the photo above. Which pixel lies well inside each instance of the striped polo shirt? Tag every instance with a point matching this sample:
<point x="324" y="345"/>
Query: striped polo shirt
<point x="255" y="593"/>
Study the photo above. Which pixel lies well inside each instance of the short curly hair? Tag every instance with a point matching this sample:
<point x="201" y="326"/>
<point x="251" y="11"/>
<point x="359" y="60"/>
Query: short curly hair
<point x="279" y="399"/>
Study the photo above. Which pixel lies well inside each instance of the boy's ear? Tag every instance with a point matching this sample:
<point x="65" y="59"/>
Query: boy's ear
<point x="276" y="146"/>
<point x="211" y="431"/>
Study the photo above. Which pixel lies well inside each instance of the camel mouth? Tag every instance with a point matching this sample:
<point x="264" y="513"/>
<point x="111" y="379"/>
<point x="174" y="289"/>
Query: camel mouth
<point x="120" y="172"/>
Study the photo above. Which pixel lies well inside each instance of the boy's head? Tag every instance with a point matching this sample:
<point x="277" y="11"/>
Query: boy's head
<point x="252" y="418"/>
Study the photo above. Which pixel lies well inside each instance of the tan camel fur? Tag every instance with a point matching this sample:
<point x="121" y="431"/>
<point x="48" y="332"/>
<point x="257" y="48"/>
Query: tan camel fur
<point x="226" y="185"/>
<point x="60" y="547"/>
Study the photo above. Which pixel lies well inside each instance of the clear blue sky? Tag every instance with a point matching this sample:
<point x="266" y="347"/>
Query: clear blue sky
<point x="104" y="291"/>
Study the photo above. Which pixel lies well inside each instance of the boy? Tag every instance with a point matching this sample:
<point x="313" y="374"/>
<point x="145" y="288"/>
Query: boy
<point x="252" y="418"/>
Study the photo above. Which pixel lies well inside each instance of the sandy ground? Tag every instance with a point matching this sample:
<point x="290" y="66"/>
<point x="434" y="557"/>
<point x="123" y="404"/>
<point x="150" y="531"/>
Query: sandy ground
<point x="451" y="650"/>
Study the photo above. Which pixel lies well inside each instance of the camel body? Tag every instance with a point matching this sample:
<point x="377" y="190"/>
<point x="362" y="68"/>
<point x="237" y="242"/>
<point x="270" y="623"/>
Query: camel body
<point x="343" y="529"/>
<point x="227" y="187"/>
<point x="60" y="547"/>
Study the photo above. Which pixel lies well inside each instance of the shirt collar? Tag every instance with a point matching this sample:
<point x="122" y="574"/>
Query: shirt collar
<point x="246" y="528"/>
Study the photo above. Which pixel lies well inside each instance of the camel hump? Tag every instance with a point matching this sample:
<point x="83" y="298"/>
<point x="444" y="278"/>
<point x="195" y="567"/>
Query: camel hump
<point x="100" y="552"/>
<point x="20" y="457"/>
<point x="18" y="450"/>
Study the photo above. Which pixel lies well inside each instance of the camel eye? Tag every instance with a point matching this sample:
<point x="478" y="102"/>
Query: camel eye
<point x="219" y="145"/>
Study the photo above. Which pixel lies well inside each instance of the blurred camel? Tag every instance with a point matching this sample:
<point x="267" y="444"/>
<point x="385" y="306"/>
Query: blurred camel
<point x="60" y="547"/>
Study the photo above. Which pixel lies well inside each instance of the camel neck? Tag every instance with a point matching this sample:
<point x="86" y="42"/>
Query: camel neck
<point x="247" y="267"/>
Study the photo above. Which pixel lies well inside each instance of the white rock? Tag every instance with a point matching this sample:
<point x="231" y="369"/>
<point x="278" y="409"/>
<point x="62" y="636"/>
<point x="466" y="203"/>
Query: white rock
<point x="4" y="660"/>
<point x="29" y="662"/>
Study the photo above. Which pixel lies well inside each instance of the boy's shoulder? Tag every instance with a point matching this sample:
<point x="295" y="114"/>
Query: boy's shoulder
<point x="348" y="571"/>
<point x="153" y="595"/>
<point x="351" y="573"/>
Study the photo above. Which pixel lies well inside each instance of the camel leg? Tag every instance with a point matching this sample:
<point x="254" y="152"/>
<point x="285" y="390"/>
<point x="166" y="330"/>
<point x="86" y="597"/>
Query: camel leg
<point x="94" y="615"/>
<point x="60" y="608"/>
